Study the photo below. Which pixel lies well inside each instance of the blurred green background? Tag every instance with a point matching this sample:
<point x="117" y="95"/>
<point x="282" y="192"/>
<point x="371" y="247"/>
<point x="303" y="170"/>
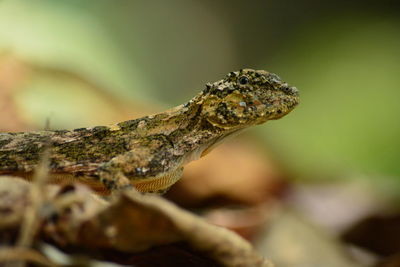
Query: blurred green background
<point x="344" y="56"/>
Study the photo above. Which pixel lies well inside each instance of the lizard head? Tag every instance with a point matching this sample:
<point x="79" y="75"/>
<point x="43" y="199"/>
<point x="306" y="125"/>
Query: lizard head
<point x="247" y="97"/>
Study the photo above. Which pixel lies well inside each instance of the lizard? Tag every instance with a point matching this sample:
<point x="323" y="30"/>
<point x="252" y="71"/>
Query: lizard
<point x="149" y="153"/>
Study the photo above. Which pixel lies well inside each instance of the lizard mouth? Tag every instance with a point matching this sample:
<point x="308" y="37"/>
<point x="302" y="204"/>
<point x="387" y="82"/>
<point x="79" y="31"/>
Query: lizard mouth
<point x="282" y="104"/>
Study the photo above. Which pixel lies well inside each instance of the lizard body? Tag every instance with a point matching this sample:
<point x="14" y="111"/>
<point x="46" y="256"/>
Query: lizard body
<point x="150" y="152"/>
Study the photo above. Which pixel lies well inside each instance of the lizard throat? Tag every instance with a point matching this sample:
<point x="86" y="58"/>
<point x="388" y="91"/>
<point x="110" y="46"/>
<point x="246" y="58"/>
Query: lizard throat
<point x="207" y="147"/>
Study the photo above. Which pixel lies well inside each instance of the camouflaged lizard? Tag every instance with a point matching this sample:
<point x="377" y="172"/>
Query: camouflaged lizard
<point x="150" y="152"/>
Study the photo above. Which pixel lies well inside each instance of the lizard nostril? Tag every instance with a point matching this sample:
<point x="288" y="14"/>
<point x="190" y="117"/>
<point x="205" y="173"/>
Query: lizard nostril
<point x="290" y="90"/>
<point x="294" y="90"/>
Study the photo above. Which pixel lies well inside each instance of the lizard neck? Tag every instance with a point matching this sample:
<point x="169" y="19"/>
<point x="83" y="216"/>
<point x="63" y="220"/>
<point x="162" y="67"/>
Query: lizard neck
<point x="194" y="135"/>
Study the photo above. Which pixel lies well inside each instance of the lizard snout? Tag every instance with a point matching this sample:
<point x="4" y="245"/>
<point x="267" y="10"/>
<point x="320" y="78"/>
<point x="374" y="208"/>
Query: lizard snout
<point x="291" y="90"/>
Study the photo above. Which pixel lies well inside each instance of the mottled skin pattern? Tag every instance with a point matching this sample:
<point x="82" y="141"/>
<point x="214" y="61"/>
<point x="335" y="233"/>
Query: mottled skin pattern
<point x="150" y="152"/>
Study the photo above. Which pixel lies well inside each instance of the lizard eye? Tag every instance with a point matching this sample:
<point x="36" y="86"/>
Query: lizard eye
<point x="243" y="80"/>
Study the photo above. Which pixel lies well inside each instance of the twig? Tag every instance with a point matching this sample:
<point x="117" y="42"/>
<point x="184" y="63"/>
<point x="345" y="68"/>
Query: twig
<point x="31" y="220"/>
<point x="11" y="256"/>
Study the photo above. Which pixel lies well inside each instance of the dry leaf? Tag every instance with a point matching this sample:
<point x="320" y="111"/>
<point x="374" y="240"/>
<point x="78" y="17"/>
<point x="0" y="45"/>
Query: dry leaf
<point x="131" y="225"/>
